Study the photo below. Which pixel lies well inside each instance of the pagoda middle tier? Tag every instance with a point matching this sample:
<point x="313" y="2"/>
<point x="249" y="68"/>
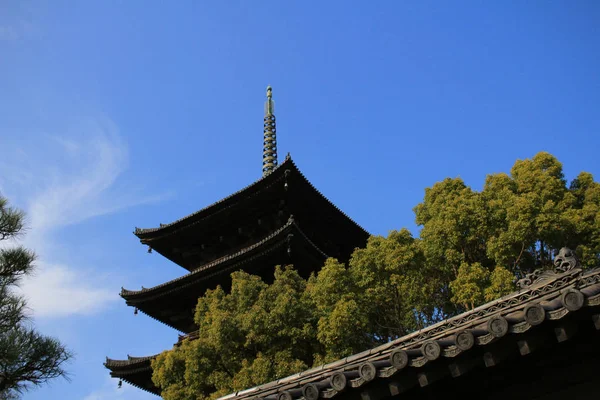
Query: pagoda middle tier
<point x="173" y="302"/>
<point x="280" y="219"/>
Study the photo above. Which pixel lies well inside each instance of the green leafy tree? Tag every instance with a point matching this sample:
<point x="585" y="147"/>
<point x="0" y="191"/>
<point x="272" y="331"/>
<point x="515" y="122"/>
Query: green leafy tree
<point x="27" y="358"/>
<point x="509" y="223"/>
<point x="341" y="321"/>
<point x="453" y="221"/>
<point x="541" y="188"/>
<point x="501" y="284"/>
<point x="469" y="286"/>
<point x="582" y="216"/>
<point x="529" y="213"/>
<point x="259" y="332"/>
<point x="516" y="224"/>
<point x="253" y="334"/>
<point x="387" y="291"/>
<point x="472" y="247"/>
<point x="400" y="290"/>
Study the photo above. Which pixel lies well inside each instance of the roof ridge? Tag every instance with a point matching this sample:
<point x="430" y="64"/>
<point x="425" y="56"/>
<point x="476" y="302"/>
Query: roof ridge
<point x="129" y="361"/>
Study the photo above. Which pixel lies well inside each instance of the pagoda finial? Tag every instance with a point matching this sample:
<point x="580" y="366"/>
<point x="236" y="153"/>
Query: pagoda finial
<point x="270" y="135"/>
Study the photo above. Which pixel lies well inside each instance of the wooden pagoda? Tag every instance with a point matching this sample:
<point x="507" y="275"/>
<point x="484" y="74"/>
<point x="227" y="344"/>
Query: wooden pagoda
<point x="280" y="219"/>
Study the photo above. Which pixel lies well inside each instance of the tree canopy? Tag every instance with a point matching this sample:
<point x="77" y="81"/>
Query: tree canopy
<point x="27" y="358"/>
<point x="472" y="247"/>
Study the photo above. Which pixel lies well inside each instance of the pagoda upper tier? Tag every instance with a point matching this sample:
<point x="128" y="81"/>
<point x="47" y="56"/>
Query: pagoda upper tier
<point x="243" y="218"/>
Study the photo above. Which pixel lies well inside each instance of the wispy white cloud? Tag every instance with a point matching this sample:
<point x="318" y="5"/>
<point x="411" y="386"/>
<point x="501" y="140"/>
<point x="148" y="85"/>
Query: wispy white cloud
<point x="60" y="290"/>
<point x="61" y="181"/>
<point x="82" y="184"/>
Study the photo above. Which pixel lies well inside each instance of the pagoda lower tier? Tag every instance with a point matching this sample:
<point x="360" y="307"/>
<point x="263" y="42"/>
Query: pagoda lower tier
<point x="136" y="371"/>
<point x="241" y="219"/>
<point x="173" y="303"/>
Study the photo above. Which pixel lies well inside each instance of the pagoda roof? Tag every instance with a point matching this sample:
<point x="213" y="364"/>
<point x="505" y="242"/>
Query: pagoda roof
<point x="183" y="292"/>
<point x="136" y="371"/>
<point x="166" y="237"/>
<point x="549" y="304"/>
<point x="195" y="217"/>
<point x="131" y="361"/>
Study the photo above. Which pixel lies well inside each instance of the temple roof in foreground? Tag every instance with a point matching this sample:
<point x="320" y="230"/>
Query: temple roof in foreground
<point x="282" y="192"/>
<point x="551" y="304"/>
<point x="173" y="302"/>
<point x="547" y="311"/>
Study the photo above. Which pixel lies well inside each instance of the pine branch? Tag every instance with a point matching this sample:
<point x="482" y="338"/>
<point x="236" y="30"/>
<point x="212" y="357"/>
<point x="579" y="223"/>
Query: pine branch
<point x="14" y="264"/>
<point x="28" y="358"/>
<point x="13" y="309"/>
<point x="11" y="220"/>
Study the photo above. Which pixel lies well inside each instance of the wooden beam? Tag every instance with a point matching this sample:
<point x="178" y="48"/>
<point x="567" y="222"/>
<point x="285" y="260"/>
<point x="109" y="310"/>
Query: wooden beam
<point x="596" y="320"/>
<point x="424" y="380"/>
<point x="565" y="331"/>
<point x="401" y="384"/>
<point x="396" y="388"/>
<point x="431" y="375"/>
<point x="374" y="393"/>
<point x="462" y="366"/>
<point x="494" y="357"/>
<point x="491" y="359"/>
<point x="527" y="346"/>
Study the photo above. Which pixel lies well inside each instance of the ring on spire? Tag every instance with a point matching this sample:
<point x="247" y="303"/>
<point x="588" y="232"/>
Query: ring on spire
<point x="269" y="135"/>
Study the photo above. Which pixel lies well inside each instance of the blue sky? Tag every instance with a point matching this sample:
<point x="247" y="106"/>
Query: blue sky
<point x="117" y="114"/>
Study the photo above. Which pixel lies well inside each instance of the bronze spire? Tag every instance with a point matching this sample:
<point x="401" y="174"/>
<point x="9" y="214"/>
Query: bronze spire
<point x="270" y="136"/>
